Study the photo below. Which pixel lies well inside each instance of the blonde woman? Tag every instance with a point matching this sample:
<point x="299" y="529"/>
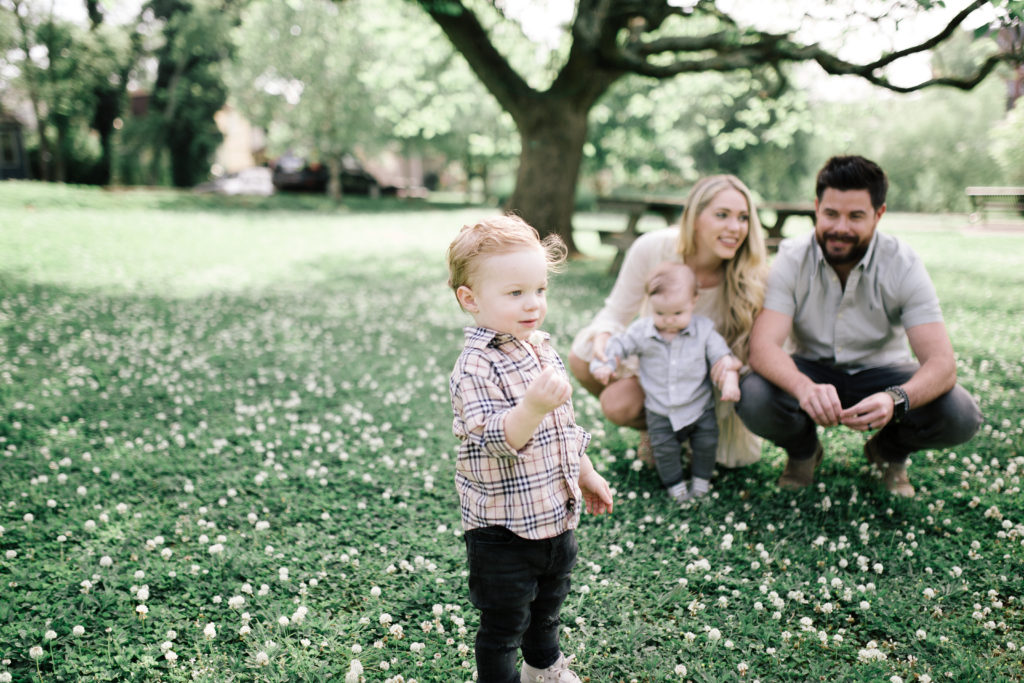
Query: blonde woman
<point x="720" y="239"/>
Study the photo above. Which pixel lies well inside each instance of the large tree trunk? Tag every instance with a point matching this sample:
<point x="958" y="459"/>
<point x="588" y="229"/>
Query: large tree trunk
<point x="553" y="132"/>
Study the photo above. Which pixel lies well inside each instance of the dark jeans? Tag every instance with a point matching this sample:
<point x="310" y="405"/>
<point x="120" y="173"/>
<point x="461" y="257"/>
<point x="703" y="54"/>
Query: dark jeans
<point x="770" y="412"/>
<point x="519" y="586"/>
<point x="665" y="444"/>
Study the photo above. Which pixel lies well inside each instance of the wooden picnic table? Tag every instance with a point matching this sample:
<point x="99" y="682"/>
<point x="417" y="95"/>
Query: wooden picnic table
<point x="1003" y="198"/>
<point x="671" y="209"/>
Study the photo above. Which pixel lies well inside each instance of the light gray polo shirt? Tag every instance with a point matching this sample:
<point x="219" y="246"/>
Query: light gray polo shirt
<point x="863" y="326"/>
<point x="674" y="375"/>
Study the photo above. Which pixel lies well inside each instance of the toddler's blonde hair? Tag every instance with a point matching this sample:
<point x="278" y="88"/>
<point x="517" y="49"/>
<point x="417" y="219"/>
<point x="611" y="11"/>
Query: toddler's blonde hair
<point x="498" y="235"/>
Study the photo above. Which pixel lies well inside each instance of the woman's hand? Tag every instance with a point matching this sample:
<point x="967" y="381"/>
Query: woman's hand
<point x="600" y="342"/>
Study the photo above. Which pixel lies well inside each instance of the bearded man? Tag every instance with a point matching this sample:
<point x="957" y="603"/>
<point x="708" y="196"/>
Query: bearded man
<point x="851" y="303"/>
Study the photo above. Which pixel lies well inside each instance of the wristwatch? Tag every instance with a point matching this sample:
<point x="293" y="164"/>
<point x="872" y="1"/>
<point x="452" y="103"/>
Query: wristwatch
<point x="900" y="402"/>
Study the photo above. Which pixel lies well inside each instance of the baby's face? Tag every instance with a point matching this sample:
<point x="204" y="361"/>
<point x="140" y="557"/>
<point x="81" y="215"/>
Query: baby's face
<point x="672" y="310"/>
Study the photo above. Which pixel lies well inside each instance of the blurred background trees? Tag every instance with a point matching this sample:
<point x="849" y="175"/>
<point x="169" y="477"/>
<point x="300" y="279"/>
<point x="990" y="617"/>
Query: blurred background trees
<point x="127" y="93"/>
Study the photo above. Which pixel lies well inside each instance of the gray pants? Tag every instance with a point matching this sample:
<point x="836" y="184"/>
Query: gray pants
<point x="770" y="412"/>
<point x="665" y="444"/>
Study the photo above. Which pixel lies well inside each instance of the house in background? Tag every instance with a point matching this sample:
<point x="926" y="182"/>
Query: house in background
<point x="13" y="160"/>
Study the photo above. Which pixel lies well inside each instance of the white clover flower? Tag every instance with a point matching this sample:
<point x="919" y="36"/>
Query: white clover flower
<point x="714" y="634"/>
<point x="244" y="630"/>
<point x="106" y="561"/>
<point x="5" y="677"/>
<point x="355" y="672"/>
<point x="35" y="652"/>
<point x="262" y="658"/>
<point x="216" y="549"/>
<point x="166" y="645"/>
<point x="143" y="593"/>
<point x="375" y="592"/>
<point x="142" y="611"/>
<point x="210" y="632"/>
<point x="282" y="620"/>
<point x="50" y="635"/>
<point x="171" y="656"/>
<point x="236" y="602"/>
<point x="29" y="517"/>
<point x="78" y="630"/>
<point x="11" y="554"/>
<point x="90" y="525"/>
<point x="920" y="633"/>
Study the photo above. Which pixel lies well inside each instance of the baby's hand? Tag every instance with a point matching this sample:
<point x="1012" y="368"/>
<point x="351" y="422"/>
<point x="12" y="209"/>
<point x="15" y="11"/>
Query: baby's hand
<point x="603" y="374"/>
<point x="550" y="390"/>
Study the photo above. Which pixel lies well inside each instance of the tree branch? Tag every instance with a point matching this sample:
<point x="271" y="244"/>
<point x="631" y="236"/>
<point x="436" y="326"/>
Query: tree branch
<point x="733" y="48"/>
<point x="470" y="38"/>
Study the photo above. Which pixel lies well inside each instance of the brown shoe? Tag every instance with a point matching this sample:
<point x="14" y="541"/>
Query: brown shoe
<point x="644" y="452"/>
<point x="799" y="474"/>
<point x="894" y="474"/>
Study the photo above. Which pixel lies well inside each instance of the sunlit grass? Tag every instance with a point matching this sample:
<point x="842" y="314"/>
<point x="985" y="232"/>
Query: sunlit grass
<point x="237" y="414"/>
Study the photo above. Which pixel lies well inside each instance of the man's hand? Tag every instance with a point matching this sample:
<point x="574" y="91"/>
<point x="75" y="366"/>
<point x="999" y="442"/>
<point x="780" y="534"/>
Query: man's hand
<point x="596" y="492"/>
<point x="874" y="412"/>
<point x="821" y="402"/>
<point x="550" y="390"/>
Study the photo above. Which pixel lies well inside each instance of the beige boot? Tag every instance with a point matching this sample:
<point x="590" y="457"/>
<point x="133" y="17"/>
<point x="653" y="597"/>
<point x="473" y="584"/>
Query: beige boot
<point x="644" y="452"/>
<point x="800" y="473"/>
<point x="894" y="474"/>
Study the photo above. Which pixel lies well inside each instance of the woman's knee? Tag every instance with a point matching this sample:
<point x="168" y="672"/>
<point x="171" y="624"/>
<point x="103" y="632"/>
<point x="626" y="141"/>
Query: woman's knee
<point x="622" y="402"/>
<point x="580" y="369"/>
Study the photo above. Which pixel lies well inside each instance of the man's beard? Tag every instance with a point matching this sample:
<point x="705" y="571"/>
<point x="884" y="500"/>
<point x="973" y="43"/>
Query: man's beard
<point x="854" y="255"/>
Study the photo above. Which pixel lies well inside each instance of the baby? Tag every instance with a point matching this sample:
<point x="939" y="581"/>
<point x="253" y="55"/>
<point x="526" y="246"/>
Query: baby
<point x="676" y="349"/>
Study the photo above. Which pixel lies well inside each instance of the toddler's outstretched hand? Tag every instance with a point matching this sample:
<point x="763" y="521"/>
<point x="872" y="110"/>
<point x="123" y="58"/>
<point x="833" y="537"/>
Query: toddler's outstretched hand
<point x="550" y="390"/>
<point x="731" y="387"/>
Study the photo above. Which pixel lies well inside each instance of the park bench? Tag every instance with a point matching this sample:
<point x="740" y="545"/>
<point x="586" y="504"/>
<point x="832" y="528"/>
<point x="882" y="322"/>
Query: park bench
<point x="671" y="209"/>
<point x="998" y="198"/>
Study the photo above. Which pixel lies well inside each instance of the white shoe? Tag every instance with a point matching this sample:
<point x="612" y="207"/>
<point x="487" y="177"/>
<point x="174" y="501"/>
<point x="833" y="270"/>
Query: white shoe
<point x="679" y="492"/>
<point x="558" y="672"/>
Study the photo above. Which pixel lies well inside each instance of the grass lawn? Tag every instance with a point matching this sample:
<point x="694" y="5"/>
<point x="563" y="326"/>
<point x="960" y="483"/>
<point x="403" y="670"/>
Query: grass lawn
<point x="227" y="456"/>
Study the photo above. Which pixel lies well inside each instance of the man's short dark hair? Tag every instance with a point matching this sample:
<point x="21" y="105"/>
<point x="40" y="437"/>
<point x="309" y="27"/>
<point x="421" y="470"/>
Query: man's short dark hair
<point x="845" y="173"/>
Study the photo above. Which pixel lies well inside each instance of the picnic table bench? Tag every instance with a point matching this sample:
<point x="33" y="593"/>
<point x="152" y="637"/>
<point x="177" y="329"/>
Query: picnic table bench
<point x="1002" y="198"/>
<point x="671" y="209"/>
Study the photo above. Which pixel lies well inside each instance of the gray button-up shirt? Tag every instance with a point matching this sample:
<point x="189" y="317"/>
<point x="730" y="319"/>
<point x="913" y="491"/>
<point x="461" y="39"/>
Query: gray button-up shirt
<point x="674" y="375"/>
<point x="861" y="326"/>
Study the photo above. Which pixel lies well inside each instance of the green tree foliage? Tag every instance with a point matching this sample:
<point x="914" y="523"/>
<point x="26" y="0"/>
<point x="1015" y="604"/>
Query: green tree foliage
<point x="60" y="68"/>
<point x="358" y="77"/>
<point x="189" y="87"/>
<point x="658" y="39"/>
<point x="660" y="136"/>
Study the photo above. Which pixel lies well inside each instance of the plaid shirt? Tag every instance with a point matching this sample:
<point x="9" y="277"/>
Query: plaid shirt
<point x="533" y="492"/>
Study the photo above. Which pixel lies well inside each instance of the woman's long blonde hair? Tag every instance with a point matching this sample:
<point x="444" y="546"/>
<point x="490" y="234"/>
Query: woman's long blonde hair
<point x="743" y="281"/>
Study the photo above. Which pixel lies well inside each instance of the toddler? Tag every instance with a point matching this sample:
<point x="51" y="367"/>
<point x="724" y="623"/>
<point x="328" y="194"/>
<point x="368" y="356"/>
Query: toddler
<point x="522" y="472"/>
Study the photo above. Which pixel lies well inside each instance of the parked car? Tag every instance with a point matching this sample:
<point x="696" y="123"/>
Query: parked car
<point x="295" y="174"/>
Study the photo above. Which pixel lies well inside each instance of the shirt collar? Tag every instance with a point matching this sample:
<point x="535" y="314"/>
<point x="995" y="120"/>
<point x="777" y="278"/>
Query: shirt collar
<point x="651" y="331"/>
<point x="484" y="337"/>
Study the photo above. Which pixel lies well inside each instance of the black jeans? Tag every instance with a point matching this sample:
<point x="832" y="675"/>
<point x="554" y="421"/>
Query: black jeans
<point x="770" y="412"/>
<point x="519" y="586"/>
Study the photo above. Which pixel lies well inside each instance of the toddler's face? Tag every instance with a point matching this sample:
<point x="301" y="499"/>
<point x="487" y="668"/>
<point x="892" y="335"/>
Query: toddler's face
<point x="672" y="310"/>
<point x="508" y="292"/>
